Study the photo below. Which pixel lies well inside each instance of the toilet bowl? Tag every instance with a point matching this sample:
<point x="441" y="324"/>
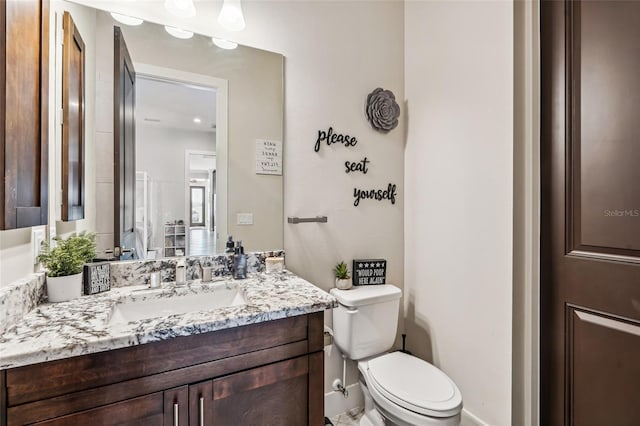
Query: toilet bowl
<point x="399" y="389"/>
<point x="408" y="391"/>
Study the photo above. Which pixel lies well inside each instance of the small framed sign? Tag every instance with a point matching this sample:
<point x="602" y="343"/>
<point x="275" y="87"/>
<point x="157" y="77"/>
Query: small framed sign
<point x="369" y="271"/>
<point x="96" y="277"/>
<point x="268" y="157"/>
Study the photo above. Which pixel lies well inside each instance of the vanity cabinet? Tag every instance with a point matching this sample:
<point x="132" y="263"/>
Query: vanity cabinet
<point x="24" y="113"/>
<point x="269" y="373"/>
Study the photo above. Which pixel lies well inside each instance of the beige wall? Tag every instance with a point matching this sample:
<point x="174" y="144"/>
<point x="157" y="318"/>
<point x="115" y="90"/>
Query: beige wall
<point x="458" y="209"/>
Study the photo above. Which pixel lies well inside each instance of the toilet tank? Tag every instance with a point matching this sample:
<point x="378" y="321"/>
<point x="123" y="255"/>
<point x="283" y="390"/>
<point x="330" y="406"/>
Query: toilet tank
<point x="365" y="322"/>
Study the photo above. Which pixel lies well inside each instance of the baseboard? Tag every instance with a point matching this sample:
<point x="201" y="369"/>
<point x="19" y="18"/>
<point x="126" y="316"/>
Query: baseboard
<point x="468" y="419"/>
<point x="335" y="403"/>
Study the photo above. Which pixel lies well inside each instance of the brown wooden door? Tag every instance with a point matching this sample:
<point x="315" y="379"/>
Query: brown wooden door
<point x="124" y="148"/>
<point x="590" y="219"/>
<point x="24" y="94"/>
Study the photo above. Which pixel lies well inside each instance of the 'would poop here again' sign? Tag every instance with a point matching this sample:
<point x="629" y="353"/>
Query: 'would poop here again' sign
<point x="369" y="271"/>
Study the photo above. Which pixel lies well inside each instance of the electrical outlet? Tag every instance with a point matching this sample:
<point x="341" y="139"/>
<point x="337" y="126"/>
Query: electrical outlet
<point x="37" y="237"/>
<point x="244" y="219"/>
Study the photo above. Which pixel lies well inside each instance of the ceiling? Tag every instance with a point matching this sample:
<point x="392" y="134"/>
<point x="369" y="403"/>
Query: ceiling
<point x="175" y="105"/>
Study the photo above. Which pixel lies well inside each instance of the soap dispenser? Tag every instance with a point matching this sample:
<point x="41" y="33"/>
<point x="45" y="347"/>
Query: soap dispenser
<point x="239" y="262"/>
<point x="229" y="245"/>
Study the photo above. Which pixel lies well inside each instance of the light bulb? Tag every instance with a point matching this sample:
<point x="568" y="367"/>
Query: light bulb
<point x="224" y="44"/>
<point x="178" y="33"/>
<point x="126" y="19"/>
<point x="181" y="8"/>
<point x="231" y="16"/>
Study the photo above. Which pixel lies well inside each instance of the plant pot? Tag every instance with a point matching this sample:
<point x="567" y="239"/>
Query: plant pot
<point x="61" y="289"/>
<point x="343" y="284"/>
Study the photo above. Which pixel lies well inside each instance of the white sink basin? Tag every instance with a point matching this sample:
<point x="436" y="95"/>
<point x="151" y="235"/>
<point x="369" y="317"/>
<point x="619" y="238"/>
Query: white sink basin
<point x="137" y="310"/>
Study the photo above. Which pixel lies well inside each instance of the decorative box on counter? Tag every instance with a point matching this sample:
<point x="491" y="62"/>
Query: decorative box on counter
<point x="96" y="277"/>
<point x="369" y="271"/>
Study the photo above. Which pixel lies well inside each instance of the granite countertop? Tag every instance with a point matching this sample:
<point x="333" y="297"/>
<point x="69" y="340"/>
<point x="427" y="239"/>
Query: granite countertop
<point x="60" y="330"/>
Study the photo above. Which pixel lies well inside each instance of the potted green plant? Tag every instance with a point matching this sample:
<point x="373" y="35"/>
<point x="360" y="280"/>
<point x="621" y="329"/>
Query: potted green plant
<point x="343" y="279"/>
<point x="64" y="263"/>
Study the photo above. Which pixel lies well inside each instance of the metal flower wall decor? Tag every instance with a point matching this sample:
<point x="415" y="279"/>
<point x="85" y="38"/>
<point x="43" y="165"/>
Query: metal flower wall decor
<point x="382" y="110"/>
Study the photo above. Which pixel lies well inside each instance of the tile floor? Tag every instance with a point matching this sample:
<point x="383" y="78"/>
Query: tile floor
<point x="201" y="242"/>
<point x="350" y="418"/>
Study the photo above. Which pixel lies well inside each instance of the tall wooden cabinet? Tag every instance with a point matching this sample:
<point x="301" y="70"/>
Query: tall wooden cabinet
<point x="24" y="87"/>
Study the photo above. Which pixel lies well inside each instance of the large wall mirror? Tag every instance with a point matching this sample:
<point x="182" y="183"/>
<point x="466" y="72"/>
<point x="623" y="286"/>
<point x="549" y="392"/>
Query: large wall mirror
<point x="178" y="123"/>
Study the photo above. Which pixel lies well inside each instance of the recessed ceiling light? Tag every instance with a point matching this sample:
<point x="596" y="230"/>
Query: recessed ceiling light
<point x="178" y="33"/>
<point x="181" y="8"/>
<point x="224" y="44"/>
<point x="126" y="19"/>
<point x="197" y="120"/>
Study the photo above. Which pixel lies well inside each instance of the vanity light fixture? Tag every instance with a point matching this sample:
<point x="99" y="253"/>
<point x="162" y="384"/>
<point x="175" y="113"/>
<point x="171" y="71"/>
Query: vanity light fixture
<point x="197" y="120"/>
<point x="224" y="44"/>
<point x="178" y="33"/>
<point x="126" y="19"/>
<point x="231" y="16"/>
<point x="181" y="8"/>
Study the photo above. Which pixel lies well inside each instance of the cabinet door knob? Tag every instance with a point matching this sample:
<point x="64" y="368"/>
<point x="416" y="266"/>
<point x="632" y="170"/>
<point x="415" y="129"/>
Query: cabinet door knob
<point x="175" y="414"/>
<point x="201" y="411"/>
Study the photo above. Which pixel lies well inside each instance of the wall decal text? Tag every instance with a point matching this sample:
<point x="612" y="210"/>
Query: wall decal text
<point x="330" y="138"/>
<point x="356" y="166"/>
<point x="375" y="194"/>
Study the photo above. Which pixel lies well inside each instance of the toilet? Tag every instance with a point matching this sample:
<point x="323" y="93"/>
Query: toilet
<point x="399" y="389"/>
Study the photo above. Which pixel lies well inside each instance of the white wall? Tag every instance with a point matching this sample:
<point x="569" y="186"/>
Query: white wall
<point x="458" y="207"/>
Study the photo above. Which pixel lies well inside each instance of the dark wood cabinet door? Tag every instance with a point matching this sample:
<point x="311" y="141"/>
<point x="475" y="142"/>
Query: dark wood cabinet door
<point x="201" y="403"/>
<point x="124" y="99"/>
<point x="176" y="407"/>
<point x="590" y="213"/>
<point x="24" y="113"/>
<point x="276" y="394"/>
<point x="73" y="145"/>
<point x="142" y="411"/>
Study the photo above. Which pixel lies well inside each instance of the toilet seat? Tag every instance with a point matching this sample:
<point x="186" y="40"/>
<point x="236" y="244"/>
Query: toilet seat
<point x="414" y="384"/>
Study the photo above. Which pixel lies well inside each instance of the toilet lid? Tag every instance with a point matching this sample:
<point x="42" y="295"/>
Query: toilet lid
<point x="415" y="385"/>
